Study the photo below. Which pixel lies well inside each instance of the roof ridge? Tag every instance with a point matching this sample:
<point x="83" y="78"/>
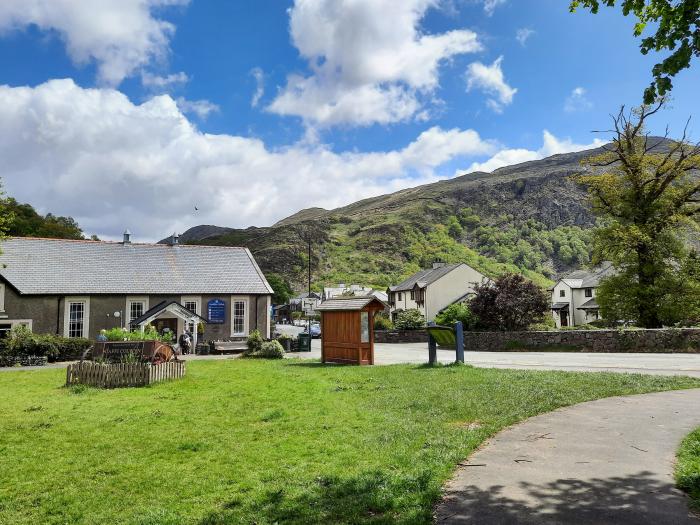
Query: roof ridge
<point x="115" y="243"/>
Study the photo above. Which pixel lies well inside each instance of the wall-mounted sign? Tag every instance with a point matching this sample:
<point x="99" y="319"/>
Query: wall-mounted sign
<point x="216" y="309"/>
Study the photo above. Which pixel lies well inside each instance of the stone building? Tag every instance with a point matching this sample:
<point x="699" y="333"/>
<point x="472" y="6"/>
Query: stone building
<point x="76" y="288"/>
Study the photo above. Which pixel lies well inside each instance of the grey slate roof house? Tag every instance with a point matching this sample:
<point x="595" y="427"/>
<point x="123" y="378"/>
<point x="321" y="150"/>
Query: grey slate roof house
<point x="433" y="289"/>
<point x="574" y="296"/>
<point x="76" y="288"/>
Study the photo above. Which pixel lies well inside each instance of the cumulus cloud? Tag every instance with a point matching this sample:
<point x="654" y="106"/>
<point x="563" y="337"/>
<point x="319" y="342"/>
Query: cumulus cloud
<point x="95" y="155"/>
<point x="523" y="34"/>
<point x="201" y="108"/>
<point x="490" y="79"/>
<point x="120" y="36"/>
<point x="370" y="61"/>
<point x="577" y="101"/>
<point x="259" y="86"/>
<point x="551" y="145"/>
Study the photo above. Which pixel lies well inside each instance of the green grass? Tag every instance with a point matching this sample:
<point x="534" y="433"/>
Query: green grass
<point x="688" y="467"/>
<point x="253" y="441"/>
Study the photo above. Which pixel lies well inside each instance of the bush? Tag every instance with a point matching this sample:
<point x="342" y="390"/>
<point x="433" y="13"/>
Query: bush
<point x="271" y="350"/>
<point x="457" y="312"/>
<point x="254" y="343"/>
<point x="149" y="334"/>
<point x="382" y="322"/>
<point x="409" y="320"/>
<point x="21" y="342"/>
<point x="257" y="347"/>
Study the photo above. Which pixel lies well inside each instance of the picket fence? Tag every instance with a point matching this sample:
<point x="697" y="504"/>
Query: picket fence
<point x="122" y="374"/>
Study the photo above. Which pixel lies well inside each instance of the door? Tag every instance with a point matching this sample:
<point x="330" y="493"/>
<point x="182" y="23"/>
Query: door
<point x="168" y="323"/>
<point x="564" y="317"/>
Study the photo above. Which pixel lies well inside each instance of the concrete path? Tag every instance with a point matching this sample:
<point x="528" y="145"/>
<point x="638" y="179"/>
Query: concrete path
<point x="642" y="363"/>
<point x="604" y="462"/>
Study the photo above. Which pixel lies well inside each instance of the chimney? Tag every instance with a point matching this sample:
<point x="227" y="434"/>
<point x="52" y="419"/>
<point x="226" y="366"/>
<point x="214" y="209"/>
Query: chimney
<point x="127" y="237"/>
<point x="174" y="239"/>
<point x="438" y="264"/>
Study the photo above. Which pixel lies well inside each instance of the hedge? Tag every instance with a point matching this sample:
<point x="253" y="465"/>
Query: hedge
<point x="21" y="343"/>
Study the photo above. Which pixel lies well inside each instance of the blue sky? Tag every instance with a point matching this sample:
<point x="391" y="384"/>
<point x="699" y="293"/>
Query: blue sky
<point x="130" y="113"/>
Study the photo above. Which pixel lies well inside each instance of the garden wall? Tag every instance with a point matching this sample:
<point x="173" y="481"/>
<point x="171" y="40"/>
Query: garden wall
<point x="661" y="340"/>
<point x="664" y="340"/>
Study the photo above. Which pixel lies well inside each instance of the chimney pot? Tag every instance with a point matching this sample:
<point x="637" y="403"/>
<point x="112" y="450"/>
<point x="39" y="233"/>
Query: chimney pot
<point x="127" y="237"/>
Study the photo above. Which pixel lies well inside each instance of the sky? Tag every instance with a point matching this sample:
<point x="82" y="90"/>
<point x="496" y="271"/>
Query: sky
<point x="159" y="115"/>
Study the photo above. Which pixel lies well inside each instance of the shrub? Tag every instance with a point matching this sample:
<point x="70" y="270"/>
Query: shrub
<point x="457" y="312"/>
<point x="21" y="342"/>
<point x="510" y="303"/>
<point x="149" y="334"/>
<point x="272" y="350"/>
<point x="382" y="322"/>
<point x="254" y="343"/>
<point x="409" y="320"/>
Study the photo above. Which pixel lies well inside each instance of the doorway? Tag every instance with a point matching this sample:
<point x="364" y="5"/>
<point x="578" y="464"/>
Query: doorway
<point x="167" y="324"/>
<point x="563" y="318"/>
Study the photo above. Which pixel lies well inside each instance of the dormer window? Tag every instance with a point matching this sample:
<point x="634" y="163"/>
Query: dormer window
<point x="562" y="293"/>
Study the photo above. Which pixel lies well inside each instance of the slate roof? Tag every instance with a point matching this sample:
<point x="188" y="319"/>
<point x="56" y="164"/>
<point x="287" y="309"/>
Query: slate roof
<point x="588" y="279"/>
<point x="348" y="303"/>
<point x="64" y="267"/>
<point x="424" y="278"/>
<point x="560" y="306"/>
<point x="591" y="304"/>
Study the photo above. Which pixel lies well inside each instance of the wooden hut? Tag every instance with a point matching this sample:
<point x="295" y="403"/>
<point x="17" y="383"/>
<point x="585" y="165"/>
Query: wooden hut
<point x="347" y="329"/>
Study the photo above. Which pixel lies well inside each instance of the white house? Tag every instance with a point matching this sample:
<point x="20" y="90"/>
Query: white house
<point x="358" y="290"/>
<point x="574" y="297"/>
<point x="432" y="290"/>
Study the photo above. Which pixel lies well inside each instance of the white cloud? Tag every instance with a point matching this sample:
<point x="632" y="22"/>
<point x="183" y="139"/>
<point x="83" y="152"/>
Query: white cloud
<point x="551" y="145"/>
<point x="111" y="164"/>
<point x="259" y="86"/>
<point x="166" y="82"/>
<point x="371" y="63"/>
<point x="490" y="79"/>
<point x="491" y="5"/>
<point x="523" y="34"/>
<point x="577" y="101"/>
<point x="201" y="108"/>
<point x="121" y="36"/>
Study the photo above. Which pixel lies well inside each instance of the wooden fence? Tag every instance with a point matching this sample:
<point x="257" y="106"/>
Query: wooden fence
<point x="122" y="374"/>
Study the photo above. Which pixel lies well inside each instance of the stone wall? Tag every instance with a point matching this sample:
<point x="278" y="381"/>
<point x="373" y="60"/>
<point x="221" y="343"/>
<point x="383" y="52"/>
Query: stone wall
<point x="662" y="340"/>
<point x="665" y="340"/>
<point x="400" y="336"/>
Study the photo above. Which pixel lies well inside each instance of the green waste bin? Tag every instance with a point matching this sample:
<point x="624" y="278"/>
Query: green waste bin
<point x="304" y="343"/>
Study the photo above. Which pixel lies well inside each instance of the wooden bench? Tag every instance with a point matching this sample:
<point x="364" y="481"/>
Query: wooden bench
<point x="228" y="347"/>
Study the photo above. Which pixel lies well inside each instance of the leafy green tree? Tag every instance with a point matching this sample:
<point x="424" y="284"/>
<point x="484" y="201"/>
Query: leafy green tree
<point x="457" y="312"/>
<point x="282" y="290"/>
<point x="677" y="29"/>
<point x="643" y="189"/>
<point x="409" y="320"/>
<point x="22" y="220"/>
<point x="509" y="303"/>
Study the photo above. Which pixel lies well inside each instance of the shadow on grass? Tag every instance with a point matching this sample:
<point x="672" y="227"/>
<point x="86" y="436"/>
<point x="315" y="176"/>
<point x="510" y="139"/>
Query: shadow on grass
<point x="637" y="499"/>
<point x="371" y="497"/>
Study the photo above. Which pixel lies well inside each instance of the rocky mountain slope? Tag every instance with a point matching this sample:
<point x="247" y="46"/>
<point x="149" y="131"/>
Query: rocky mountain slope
<point x="528" y="217"/>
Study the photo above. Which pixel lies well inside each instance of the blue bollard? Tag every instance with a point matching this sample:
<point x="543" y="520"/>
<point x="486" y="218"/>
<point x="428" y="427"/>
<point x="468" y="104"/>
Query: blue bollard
<point x="459" y="340"/>
<point x="432" y="348"/>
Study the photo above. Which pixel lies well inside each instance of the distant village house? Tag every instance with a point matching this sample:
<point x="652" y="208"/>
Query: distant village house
<point x="574" y="297"/>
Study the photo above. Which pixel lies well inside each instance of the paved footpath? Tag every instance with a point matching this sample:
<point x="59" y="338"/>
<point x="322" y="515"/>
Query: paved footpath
<point x="604" y="462"/>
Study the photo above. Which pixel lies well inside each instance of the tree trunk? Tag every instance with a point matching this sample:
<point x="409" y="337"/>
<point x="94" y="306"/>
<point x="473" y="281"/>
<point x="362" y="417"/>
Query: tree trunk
<point x="647" y="301"/>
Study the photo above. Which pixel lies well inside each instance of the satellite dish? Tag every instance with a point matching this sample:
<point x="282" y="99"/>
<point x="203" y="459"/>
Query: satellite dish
<point x="117" y="314"/>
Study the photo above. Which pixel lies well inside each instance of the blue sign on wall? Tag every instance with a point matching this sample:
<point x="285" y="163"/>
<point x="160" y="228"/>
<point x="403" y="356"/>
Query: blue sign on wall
<point x="216" y="309"/>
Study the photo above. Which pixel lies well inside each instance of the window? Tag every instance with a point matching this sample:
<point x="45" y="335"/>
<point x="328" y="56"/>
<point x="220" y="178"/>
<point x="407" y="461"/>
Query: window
<point x="135" y="308"/>
<point x="8" y="325"/>
<point x="562" y="293"/>
<point x="2" y="297"/>
<point x="76" y="319"/>
<point x="193" y="305"/>
<point x="413" y="295"/>
<point x="238" y="317"/>
<point x="364" y="327"/>
<point x="400" y="296"/>
<point x="589" y="292"/>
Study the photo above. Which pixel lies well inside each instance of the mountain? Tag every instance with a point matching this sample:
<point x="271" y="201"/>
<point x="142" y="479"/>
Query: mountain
<point x="529" y="217"/>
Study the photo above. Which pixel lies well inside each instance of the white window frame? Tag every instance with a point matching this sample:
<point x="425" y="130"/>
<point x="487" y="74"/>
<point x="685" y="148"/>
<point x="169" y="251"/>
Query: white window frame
<point x="246" y="314"/>
<point x="197" y="299"/>
<point x="2" y="297"/>
<point x="86" y="315"/>
<point x="15" y="322"/>
<point x="135" y="299"/>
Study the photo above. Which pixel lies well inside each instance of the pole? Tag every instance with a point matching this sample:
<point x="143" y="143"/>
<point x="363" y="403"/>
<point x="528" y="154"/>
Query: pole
<point x="432" y="347"/>
<point x="309" y="299"/>
<point x="459" y="340"/>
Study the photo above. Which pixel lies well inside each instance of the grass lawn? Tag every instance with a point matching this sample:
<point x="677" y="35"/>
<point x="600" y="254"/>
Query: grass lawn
<point x="688" y="468"/>
<point x="246" y="441"/>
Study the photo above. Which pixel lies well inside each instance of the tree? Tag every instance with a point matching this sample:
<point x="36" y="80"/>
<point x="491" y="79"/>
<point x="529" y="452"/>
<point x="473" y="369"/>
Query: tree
<point x="5" y="215"/>
<point x="509" y="303"/>
<point x="457" y="312"/>
<point x="643" y="189"/>
<point x="282" y="290"/>
<point x="677" y="24"/>
<point x="22" y="220"/>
